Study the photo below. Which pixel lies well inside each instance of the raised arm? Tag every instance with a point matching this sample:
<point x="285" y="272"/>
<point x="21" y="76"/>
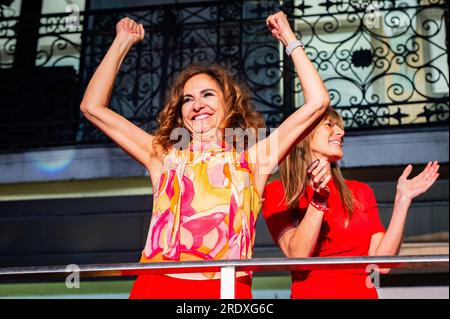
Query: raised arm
<point x="94" y="105"/>
<point x="267" y="154"/>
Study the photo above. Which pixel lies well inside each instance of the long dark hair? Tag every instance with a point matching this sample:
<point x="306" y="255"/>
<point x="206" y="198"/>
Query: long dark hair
<point x="294" y="167"/>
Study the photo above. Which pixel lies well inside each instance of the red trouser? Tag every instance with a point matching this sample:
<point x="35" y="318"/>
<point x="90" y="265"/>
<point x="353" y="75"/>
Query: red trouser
<point x="165" y="287"/>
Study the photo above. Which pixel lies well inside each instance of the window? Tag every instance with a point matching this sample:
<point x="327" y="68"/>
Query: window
<point x="60" y="35"/>
<point x="9" y="11"/>
<point x="384" y="66"/>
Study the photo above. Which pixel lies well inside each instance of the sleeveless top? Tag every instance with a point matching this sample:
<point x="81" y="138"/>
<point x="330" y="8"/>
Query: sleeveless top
<point x="205" y="207"/>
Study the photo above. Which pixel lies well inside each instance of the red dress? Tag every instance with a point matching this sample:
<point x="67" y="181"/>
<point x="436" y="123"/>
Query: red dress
<point x="335" y="240"/>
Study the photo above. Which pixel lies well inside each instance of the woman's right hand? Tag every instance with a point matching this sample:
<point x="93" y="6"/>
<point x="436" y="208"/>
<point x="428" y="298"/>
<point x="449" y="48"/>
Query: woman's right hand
<point x="319" y="174"/>
<point x="130" y="31"/>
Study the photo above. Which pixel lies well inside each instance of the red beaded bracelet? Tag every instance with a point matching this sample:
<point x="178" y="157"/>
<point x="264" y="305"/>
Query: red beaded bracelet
<point x="320" y="207"/>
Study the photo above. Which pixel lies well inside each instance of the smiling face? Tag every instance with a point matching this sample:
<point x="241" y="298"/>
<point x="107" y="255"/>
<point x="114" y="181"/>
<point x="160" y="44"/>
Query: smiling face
<point x="203" y="104"/>
<point x="327" y="140"/>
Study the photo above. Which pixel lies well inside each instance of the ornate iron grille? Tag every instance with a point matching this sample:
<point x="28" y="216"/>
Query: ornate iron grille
<point x="385" y="63"/>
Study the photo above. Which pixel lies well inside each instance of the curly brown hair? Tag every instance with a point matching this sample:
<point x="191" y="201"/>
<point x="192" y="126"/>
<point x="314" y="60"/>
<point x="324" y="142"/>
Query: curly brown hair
<point x="238" y="106"/>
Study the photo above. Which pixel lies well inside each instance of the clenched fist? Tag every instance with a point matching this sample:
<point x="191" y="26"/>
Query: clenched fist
<point x="130" y="31"/>
<point x="278" y="25"/>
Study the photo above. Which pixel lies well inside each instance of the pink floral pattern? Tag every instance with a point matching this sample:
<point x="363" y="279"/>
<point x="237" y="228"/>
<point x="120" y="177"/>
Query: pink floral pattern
<point x="205" y="207"/>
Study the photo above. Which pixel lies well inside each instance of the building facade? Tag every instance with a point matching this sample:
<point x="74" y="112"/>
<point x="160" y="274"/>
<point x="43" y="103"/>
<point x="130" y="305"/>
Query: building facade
<point x="68" y="195"/>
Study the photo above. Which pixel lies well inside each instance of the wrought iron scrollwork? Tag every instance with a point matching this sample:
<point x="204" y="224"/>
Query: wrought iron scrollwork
<point x="385" y="63"/>
<point x="381" y="60"/>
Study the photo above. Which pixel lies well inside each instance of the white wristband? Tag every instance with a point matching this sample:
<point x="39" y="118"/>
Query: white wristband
<point x="293" y="45"/>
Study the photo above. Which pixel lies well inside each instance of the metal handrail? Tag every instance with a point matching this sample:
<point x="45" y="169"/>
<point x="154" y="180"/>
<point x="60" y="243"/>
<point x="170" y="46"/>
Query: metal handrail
<point x="228" y="268"/>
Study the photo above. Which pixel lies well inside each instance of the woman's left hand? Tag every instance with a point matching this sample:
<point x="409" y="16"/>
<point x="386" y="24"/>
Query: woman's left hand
<point x="410" y="188"/>
<point x="278" y="25"/>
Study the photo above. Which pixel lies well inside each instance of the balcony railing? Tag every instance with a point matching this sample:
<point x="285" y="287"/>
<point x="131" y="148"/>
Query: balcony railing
<point x="384" y="66"/>
<point x="228" y="268"/>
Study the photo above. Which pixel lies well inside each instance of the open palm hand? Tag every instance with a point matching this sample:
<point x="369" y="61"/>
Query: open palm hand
<point x="411" y="188"/>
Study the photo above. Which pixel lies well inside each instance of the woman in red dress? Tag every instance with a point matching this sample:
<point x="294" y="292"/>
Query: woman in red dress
<point x="313" y="211"/>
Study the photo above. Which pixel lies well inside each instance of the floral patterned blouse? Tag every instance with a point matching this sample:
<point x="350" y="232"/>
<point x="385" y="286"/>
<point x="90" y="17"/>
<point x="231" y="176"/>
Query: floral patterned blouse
<point x="205" y="208"/>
